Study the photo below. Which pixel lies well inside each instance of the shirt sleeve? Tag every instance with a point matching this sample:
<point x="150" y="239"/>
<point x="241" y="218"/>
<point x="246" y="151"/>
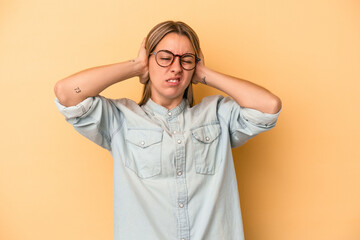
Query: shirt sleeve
<point x="245" y="123"/>
<point x="96" y="118"/>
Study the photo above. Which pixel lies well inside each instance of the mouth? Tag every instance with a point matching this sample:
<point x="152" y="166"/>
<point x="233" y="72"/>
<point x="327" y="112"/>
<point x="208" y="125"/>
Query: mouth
<point x="173" y="80"/>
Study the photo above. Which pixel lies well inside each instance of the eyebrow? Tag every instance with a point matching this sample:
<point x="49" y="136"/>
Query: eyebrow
<point x="174" y="53"/>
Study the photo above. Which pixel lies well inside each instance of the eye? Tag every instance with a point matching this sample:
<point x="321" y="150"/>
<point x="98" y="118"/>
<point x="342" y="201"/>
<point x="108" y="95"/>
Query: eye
<point x="188" y="59"/>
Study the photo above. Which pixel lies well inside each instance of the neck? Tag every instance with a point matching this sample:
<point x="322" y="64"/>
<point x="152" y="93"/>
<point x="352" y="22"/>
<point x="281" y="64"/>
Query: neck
<point x="167" y="103"/>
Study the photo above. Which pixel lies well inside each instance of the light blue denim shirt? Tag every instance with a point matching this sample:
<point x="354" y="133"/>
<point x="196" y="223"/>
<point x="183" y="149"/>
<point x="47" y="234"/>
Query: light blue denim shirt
<point x="174" y="176"/>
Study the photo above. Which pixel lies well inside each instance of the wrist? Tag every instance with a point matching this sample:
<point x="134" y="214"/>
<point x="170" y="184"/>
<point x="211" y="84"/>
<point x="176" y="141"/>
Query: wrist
<point x="139" y="67"/>
<point x="201" y="74"/>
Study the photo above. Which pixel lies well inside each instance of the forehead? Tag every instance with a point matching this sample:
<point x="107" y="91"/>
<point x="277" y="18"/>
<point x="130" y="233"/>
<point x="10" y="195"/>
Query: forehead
<point x="176" y="43"/>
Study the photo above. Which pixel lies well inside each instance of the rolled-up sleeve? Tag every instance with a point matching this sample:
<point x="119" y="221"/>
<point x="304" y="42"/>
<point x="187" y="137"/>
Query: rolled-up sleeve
<point x="245" y="123"/>
<point x="74" y="112"/>
<point x="260" y="119"/>
<point x="94" y="118"/>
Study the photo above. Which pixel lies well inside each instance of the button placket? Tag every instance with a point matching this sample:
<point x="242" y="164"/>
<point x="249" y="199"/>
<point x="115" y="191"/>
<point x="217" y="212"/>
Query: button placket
<point x="180" y="178"/>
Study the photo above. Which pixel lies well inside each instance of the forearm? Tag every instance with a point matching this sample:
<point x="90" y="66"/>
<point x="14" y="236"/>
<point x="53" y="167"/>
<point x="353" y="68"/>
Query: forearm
<point x="90" y="82"/>
<point x="245" y="93"/>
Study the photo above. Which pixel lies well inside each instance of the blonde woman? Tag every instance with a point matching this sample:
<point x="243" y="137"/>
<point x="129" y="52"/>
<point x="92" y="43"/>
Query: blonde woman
<point x="174" y="177"/>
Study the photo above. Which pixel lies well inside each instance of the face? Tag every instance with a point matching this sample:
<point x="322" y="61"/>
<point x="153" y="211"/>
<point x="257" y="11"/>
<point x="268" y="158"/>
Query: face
<point x="168" y="84"/>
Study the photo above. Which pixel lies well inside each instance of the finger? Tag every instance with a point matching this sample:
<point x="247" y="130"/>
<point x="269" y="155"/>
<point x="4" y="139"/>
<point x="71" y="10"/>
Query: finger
<point x="142" y="50"/>
<point x="143" y="43"/>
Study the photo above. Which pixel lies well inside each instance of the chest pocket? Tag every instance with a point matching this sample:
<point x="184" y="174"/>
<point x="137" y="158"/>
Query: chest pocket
<point x="144" y="151"/>
<point x="206" y="141"/>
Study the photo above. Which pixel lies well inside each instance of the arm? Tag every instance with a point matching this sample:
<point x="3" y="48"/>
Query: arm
<point x="90" y="82"/>
<point x="245" y="93"/>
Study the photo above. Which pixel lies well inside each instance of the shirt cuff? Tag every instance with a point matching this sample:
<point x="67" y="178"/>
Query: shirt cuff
<point x="260" y="118"/>
<point x="75" y="111"/>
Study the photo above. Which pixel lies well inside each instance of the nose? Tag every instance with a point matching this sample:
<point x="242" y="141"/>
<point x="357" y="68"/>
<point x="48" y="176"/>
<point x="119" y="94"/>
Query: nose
<point x="176" y="65"/>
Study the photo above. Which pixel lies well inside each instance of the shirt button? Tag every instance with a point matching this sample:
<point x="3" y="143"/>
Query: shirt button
<point x="179" y="141"/>
<point x="142" y="143"/>
<point x="174" y="132"/>
<point x="169" y="113"/>
<point x="207" y="138"/>
<point x="179" y="173"/>
<point x="183" y="239"/>
<point x="181" y="205"/>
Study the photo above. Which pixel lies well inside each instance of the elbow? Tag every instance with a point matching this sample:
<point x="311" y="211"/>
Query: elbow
<point x="275" y="105"/>
<point x="60" y="93"/>
<point x="272" y="105"/>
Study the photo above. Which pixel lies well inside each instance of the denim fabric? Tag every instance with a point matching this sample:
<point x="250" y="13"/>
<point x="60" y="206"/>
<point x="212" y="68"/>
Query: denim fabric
<point x="174" y="176"/>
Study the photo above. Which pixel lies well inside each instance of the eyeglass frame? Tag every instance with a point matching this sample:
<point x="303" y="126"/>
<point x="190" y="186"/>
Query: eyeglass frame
<point x="174" y="56"/>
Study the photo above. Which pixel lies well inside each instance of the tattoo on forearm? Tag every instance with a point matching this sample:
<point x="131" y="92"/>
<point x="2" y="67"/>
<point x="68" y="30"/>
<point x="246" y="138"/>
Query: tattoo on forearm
<point x="204" y="80"/>
<point x="77" y="90"/>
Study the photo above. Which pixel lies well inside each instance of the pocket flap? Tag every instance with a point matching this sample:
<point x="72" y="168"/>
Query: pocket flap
<point x="207" y="133"/>
<point x="144" y="137"/>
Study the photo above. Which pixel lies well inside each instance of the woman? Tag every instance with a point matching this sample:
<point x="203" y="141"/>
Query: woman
<point x="174" y="176"/>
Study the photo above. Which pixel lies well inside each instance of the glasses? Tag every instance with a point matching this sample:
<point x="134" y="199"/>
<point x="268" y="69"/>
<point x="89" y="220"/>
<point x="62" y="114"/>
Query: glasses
<point x="165" y="58"/>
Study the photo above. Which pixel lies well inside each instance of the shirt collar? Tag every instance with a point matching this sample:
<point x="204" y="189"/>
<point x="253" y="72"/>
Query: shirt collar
<point x="152" y="107"/>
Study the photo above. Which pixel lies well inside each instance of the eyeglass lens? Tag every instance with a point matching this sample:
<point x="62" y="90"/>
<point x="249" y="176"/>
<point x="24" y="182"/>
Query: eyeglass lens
<point x="165" y="58"/>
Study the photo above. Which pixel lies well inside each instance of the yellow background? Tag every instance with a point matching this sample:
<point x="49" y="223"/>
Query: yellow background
<point x="300" y="180"/>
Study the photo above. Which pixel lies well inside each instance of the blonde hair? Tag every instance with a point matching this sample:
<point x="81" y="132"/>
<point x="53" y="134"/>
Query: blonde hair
<point x="155" y="35"/>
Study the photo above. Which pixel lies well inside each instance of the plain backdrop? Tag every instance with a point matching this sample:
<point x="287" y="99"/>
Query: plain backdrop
<point x="298" y="181"/>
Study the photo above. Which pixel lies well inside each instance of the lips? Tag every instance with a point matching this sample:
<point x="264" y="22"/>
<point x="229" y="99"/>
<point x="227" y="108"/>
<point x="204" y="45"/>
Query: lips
<point x="173" y="80"/>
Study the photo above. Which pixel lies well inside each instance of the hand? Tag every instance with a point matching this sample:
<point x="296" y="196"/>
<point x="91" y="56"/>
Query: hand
<point x="198" y="75"/>
<point x="143" y="59"/>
